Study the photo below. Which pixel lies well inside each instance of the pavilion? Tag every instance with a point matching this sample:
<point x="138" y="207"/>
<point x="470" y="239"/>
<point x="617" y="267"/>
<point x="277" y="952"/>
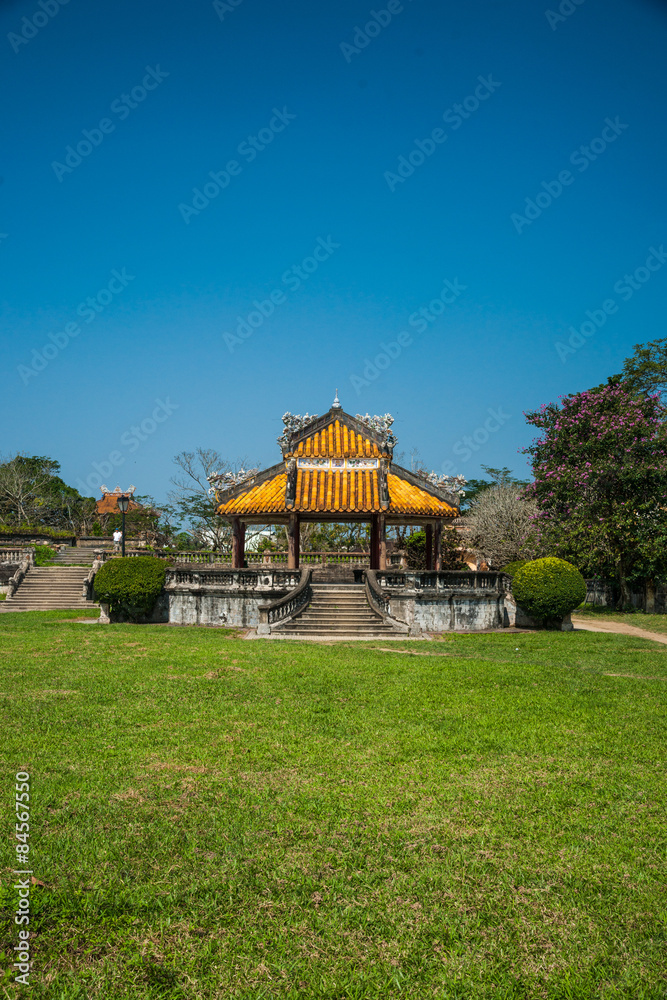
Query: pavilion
<point x="337" y="467"/>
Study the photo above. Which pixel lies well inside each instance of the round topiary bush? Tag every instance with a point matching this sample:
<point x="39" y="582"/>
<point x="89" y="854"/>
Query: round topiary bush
<point x="548" y="589"/>
<point x="130" y="585"/>
<point x="512" y="568"/>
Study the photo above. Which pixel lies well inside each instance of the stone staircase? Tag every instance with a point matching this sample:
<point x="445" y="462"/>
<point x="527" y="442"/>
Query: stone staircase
<point x="52" y="588"/>
<point x="75" y="556"/>
<point x="338" y="611"/>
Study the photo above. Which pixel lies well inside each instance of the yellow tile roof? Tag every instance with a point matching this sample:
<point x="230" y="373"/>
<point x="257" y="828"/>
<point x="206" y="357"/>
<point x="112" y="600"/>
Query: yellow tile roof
<point x="337" y="440"/>
<point x="268" y="497"/>
<point x="407" y="498"/>
<point x="345" y="492"/>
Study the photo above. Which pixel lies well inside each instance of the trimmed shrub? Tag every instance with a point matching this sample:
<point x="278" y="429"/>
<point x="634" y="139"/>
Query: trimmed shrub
<point x="512" y="568"/>
<point x="131" y="585"/>
<point x="548" y="589"/>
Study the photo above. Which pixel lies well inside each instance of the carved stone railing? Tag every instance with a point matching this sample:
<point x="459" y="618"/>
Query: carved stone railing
<point x="14" y="555"/>
<point x="19" y="576"/>
<point x="444" y="581"/>
<point x="283" y="610"/>
<point x="379" y="603"/>
<point x="237" y="580"/>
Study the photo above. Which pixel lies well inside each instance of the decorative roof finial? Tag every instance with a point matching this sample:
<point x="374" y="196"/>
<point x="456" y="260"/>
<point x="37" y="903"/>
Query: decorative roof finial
<point x="336" y="403"/>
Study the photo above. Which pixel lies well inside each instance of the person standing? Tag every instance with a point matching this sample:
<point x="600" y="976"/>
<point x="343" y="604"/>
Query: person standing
<point x="117" y="539"/>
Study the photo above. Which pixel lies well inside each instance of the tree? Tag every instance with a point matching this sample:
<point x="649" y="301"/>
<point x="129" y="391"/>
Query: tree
<point x="193" y="499"/>
<point x="496" y="477"/>
<point x="645" y="371"/>
<point x="32" y="493"/>
<point x="501" y="524"/>
<point x="600" y="482"/>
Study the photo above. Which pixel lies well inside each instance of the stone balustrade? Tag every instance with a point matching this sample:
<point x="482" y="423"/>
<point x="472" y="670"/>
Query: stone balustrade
<point x="15" y="555"/>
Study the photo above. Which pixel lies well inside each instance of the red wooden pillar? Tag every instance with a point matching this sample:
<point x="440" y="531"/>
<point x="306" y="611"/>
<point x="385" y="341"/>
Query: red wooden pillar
<point x="429" y="546"/>
<point x="437" y="545"/>
<point x="293" y="541"/>
<point x="375" y="541"/>
<point x="382" y="541"/>
<point x="238" y="543"/>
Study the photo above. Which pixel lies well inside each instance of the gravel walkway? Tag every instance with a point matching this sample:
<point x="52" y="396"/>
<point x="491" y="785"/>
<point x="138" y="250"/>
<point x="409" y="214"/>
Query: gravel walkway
<point x="617" y="627"/>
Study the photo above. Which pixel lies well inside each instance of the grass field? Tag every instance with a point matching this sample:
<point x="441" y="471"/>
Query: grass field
<point x="478" y="817"/>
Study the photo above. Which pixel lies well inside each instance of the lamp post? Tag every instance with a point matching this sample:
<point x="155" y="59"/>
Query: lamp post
<point x="123" y="505"/>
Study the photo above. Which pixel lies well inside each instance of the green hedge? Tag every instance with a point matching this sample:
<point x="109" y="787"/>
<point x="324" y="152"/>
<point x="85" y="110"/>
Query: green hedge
<point x="548" y="589"/>
<point x="28" y="532"/>
<point x="131" y="585"/>
<point x="512" y="568"/>
<point x="44" y="554"/>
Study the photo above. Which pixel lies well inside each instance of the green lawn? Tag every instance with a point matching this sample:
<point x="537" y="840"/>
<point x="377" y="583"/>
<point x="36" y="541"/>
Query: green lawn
<point x="477" y="817"/>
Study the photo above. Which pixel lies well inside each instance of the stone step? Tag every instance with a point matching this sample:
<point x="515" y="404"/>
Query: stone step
<point x="379" y="632"/>
<point x="361" y="615"/>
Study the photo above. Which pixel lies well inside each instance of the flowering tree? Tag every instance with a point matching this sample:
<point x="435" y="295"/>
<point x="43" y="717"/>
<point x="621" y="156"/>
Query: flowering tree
<point x="600" y="482"/>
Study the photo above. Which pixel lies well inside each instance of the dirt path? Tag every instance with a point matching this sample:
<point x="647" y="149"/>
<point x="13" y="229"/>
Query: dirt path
<point x="619" y="628"/>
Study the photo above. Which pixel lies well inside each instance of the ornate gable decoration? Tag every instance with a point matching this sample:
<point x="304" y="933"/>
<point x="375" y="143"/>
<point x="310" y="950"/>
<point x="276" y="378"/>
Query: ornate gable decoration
<point x="337" y="435"/>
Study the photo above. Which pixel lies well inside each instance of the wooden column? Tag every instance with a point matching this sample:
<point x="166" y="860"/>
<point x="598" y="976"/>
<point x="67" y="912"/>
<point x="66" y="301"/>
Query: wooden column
<point x="375" y="541"/>
<point x="429" y="546"/>
<point x="293" y="541"/>
<point x="437" y="540"/>
<point x="238" y="543"/>
<point x="382" y="541"/>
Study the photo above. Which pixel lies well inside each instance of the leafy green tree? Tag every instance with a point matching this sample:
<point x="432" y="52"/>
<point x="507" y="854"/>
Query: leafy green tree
<point x="645" y="371"/>
<point x="32" y="493"/>
<point x="600" y="482"/>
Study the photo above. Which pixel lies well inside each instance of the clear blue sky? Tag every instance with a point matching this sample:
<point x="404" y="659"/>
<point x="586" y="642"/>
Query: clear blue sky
<point x="306" y="121"/>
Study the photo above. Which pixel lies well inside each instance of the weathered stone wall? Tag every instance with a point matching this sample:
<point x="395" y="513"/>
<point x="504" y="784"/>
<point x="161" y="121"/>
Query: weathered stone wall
<point x="233" y="610"/>
<point x="469" y="612"/>
<point x="7" y="571"/>
<point x="224" y="597"/>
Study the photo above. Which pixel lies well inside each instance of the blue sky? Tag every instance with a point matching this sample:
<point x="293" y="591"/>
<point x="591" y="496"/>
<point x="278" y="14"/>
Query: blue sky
<point x="265" y="202"/>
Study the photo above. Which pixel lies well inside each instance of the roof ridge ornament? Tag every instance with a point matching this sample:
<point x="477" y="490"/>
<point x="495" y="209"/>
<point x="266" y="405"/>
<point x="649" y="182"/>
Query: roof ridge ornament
<point x="294" y="422"/>
<point x="336" y="403"/>
<point x="451" y="484"/>
<point x="381" y="425"/>
<point x="226" y="480"/>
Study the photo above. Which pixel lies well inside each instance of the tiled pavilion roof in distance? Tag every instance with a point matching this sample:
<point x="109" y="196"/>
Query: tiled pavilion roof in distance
<point x="108" y="502"/>
<point x="333" y="466"/>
